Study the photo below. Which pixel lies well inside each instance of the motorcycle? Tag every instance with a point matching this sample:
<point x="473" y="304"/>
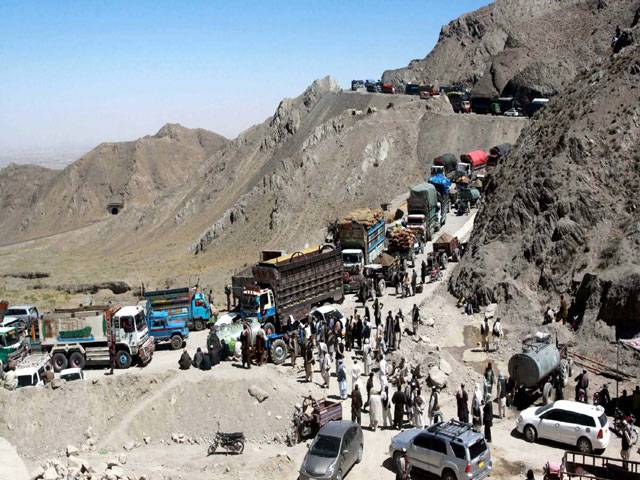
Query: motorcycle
<point x="602" y="397"/>
<point x="619" y="420"/>
<point x="233" y="442"/>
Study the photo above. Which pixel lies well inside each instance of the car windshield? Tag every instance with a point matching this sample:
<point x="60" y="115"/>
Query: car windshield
<point x="71" y="376"/>
<point x="333" y="315"/>
<point x="325" y="446"/>
<point x="26" y="380"/>
<point x="603" y="420"/>
<point x="541" y="410"/>
<point x="350" y="258"/>
<point x="477" y="449"/>
<point x="15" y="311"/>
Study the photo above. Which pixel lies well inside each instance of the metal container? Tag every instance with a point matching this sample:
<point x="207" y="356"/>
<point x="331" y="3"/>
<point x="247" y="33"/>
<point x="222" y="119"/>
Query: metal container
<point x="538" y="360"/>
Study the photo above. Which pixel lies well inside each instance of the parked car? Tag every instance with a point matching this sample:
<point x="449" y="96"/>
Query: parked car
<point x="580" y="424"/>
<point x="328" y="313"/>
<point x="338" y="446"/>
<point x="71" y="374"/>
<point x="20" y="316"/>
<point x="451" y="450"/>
<point x="512" y="112"/>
<point x="30" y="371"/>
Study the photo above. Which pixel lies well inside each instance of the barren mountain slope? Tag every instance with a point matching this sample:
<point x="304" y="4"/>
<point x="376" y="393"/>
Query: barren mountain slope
<point x="137" y="173"/>
<point x="524" y="47"/>
<point x="562" y="213"/>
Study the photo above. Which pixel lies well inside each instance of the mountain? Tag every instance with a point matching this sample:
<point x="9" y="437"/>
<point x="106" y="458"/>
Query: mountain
<point x="38" y="202"/>
<point x="523" y="48"/>
<point x="562" y="214"/>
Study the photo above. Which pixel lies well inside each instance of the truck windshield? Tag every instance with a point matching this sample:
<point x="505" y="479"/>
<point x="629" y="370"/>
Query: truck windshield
<point x="141" y="323"/>
<point x="249" y="302"/>
<point x="412" y="220"/>
<point x="350" y="258"/>
<point x="8" y="339"/>
<point x="126" y="323"/>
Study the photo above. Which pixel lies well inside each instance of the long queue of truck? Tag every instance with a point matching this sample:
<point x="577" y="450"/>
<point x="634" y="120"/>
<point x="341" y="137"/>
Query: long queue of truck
<point x="362" y="248"/>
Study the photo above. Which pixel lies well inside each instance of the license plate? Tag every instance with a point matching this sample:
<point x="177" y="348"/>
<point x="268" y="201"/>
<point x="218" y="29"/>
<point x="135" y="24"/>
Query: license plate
<point x="481" y="465"/>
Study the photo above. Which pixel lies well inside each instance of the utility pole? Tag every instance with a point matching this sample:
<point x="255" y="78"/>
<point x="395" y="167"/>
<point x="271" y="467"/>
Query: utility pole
<point x="617" y="365"/>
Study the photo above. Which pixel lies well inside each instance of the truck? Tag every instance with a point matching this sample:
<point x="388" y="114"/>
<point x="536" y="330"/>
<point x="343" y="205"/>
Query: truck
<point x="84" y="336"/>
<point x="357" y="85"/>
<point x="473" y="164"/>
<point x="186" y="304"/>
<point x="290" y="285"/>
<point x="534" y="369"/>
<point x="587" y="466"/>
<point x="13" y="347"/>
<point x="360" y="236"/>
<point x="424" y="211"/>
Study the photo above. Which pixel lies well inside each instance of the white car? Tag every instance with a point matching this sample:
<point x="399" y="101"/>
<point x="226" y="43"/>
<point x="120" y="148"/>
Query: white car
<point x="582" y="425"/>
<point x="71" y="374"/>
<point x="512" y="112"/>
<point x="20" y="316"/>
<point x="329" y="314"/>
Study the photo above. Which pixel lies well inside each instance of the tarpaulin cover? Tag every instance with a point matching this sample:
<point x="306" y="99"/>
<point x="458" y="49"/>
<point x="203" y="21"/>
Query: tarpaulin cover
<point x="476" y="159"/>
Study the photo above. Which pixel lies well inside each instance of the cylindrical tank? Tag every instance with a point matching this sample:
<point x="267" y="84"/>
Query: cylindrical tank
<point x="534" y="364"/>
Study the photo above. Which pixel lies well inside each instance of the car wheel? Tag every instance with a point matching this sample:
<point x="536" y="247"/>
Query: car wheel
<point x="396" y="460"/>
<point x="198" y="325"/>
<point x="360" y="454"/>
<point x="584" y="445"/>
<point x="448" y="475"/>
<point x="530" y="434"/>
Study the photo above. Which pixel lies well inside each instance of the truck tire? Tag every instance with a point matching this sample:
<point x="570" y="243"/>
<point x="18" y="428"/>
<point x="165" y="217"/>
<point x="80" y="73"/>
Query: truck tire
<point x="59" y="361"/>
<point x="123" y="359"/>
<point x="268" y="328"/>
<point x="198" y="324"/>
<point x="176" y="342"/>
<point x="279" y="351"/>
<point x="77" y="360"/>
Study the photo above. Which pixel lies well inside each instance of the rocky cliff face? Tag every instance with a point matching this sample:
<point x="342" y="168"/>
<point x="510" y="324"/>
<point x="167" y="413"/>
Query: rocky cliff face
<point x="562" y="213"/>
<point x="526" y="48"/>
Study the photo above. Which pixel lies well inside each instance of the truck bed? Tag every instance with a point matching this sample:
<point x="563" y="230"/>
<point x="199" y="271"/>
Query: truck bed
<point x="582" y="466"/>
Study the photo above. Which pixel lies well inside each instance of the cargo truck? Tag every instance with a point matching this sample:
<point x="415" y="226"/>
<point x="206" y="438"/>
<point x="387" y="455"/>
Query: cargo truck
<point x="86" y="336"/>
<point x="290" y="285"/>
<point x="185" y="304"/>
<point x="13" y="347"/>
<point x="424" y="211"/>
<point x="360" y="236"/>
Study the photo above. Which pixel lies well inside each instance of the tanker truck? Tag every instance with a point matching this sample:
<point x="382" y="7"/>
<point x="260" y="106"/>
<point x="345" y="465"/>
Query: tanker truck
<point x="533" y="370"/>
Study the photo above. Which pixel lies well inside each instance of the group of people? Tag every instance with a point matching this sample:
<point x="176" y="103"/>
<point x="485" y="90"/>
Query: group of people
<point x="217" y="351"/>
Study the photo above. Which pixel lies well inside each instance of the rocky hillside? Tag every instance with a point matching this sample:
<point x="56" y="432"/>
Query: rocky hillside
<point x="527" y="48"/>
<point x="276" y="185"/>
<point x="562" y="213"/>
<point x="36" y="201"/>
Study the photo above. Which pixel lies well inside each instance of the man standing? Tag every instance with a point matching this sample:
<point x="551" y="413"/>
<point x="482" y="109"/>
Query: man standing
<point x="423" y="271"/>
<point x="386" y="407"/>
<point x="377" y="313"/>
<point x="414" y="282"/>
<point x="626" y="444"/>
<point x="487" y="418"/>
<point x="227" y="292"/>
<point x="462" y="401"/>
<point x="356" y="405"/>
<point x="563" y="311"/>
<point x="308" y="360"/>
<point x="502" y="396"/>
<point x="397" y="332"/>
<point x="415" y="319"/>
<point x="497" y="333"/>
<point x="325" y="361"/>
<point x="434" y="405"/>
<point x="489" y="377"/>
<point x="398" y="407"/>
<point x="245" y="340"/>
<point x="375" y="410"/>
<point x="356" y="372"/>
<point x="484" y="333"/>
<point x="582" y="384"/>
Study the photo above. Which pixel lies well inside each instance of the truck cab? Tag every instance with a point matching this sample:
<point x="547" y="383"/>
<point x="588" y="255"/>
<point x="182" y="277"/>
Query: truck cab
<point x="353" y="261"/>
<point x="13" y="347"/>
<point x="464" y="169"/>
<point x="417" y="224"/>
<point x="163" y="328"/>
<point x="437" y="170"/>
<point x="259" y="303"/>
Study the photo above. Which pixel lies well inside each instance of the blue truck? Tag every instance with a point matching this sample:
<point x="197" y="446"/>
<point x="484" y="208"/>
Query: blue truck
<point x="171" y="313"/>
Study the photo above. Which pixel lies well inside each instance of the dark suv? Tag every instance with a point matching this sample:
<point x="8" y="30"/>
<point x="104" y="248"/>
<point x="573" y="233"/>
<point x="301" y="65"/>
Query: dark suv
<point x="452" y="450"/>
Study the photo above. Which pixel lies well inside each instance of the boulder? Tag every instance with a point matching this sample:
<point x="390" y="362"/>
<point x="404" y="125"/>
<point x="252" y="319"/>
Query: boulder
<point x="57" y="383"/>
<point x="37" y="473"/>
<point x="71" y="450"/>
<point x="258" y="393"/>
<point x="437" y="377"/>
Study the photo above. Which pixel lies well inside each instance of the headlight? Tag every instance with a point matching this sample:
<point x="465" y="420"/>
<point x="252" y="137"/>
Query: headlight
<point x="331" y="468"/>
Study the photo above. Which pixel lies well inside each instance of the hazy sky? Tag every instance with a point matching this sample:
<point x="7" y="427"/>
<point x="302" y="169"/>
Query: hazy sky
<point x="86" y="71"/>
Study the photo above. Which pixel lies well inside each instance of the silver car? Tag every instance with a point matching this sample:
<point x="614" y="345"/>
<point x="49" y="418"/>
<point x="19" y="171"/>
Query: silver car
<point x="451" y="450"/>
<point x="338" y="446"/>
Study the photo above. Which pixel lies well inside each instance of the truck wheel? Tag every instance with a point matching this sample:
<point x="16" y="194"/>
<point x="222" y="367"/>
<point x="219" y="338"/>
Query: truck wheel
<point x="176" y="342"/>
<point x="77" y="360"/>
<point x="279" y="351"/>
<point x="59" y="361"/>
<point x="198" y="325"/>
<point x="268" y="328"/>
<point x="123" y="359"/>
<point x="548" y="393"/>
